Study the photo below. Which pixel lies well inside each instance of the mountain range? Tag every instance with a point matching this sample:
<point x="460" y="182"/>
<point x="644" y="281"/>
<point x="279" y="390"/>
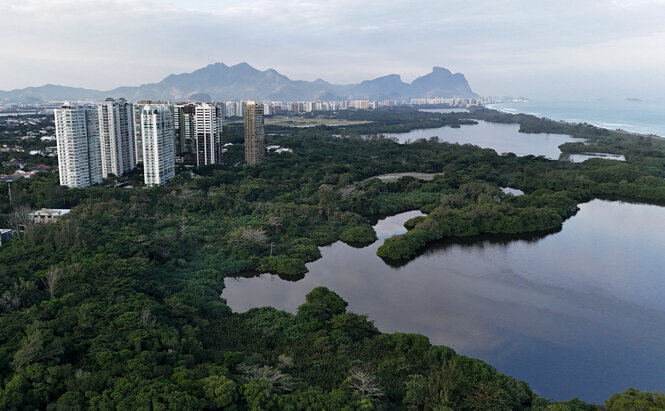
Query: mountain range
<point x="219" y="82"/>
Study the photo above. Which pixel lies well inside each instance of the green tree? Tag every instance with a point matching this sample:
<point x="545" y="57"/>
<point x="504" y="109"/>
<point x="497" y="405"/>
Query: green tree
<point x="220" y="391"/>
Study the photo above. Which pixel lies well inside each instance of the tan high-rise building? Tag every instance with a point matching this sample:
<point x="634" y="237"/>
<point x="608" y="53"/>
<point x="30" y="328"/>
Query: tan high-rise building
<point x="255" y="146"/>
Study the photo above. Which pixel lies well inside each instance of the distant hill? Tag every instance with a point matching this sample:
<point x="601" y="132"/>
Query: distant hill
<point x="242" y="81"/>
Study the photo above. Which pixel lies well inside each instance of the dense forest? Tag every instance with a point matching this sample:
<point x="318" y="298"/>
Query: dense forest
<point x="117" y="305"/>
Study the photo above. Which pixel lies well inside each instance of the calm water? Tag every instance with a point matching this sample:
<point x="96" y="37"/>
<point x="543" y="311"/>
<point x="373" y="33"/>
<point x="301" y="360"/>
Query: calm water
<point x="503" y="138"/>
<point x="645" y="117"/>
<point x="579" y="313"/>
<point x="514" y="191"/>
<point x="578" y="158"/>
<point x="445" y="110"/>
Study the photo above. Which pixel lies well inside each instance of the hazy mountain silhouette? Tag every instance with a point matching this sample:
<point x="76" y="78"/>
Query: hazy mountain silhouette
<point x="242" y="81"/>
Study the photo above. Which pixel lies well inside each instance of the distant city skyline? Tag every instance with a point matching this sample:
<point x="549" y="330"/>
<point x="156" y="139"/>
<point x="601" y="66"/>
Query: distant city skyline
<point x="567" y="49"/>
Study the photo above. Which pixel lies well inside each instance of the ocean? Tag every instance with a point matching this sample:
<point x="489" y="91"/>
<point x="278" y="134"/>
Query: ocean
<point x="635" y="116"/>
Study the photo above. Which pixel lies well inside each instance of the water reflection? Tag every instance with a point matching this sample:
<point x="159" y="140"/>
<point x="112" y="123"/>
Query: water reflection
<point x="514" y="191"/>
<point x="576" y="313"/>
<point x="503" y="138"/>
<point x="578" y="158"/>
<point x="391" y="226"/>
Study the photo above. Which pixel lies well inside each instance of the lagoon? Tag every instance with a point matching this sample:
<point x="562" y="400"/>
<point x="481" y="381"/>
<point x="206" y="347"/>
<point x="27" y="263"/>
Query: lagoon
<point x="503" y="138"/>
<point x="581" y="157"/>
<point x="445" y="110"/>
<point x="577" y="313"/>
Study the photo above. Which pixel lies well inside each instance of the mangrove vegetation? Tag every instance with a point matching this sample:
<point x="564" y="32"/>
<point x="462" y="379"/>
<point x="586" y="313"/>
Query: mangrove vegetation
<point x="117" y="305"/>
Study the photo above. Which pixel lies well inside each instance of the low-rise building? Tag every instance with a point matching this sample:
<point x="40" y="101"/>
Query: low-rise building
<point x="9" y="178"/>
<point x="5" y="235"/>
<point x="23" y="173"/>
<point x="47" y="215"/>
<point x="15" y="162"/>
<point x="39" y="168"/>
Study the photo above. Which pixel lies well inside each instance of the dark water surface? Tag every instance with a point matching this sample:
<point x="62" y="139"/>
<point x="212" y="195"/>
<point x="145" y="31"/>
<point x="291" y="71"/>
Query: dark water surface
<point x="502" y="138"/>
<point x="579" y="313"/>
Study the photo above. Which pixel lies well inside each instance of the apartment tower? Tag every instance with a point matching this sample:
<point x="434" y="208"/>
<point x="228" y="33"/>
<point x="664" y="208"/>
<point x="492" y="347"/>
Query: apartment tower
<point x="116" y="136"/>
<point x="208" y="140"/>
<point x="158" y="144"/>
<point x="77" y="136"/>
<point x="184" y="119"/>
<point x="255" y="147"/>
<point x="138" y="136"/>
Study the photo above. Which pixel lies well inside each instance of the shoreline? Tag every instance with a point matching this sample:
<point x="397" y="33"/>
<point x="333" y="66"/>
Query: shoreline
<point x="492" y="106"/>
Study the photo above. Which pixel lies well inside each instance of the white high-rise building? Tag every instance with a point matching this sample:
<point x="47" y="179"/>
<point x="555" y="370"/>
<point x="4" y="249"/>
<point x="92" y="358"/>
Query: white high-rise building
<point x="77" y="136"/>
<point x="138" y="137"/>
<point x="233" y="109"/>
<point x="208" y="138"/>
<point x="116" y="136"/>
<point x="158" y="144"/>
<point x="230" y="109"/>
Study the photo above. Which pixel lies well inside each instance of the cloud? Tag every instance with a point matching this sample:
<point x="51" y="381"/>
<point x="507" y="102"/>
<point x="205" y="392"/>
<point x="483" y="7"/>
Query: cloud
<point x="107" y="43"/>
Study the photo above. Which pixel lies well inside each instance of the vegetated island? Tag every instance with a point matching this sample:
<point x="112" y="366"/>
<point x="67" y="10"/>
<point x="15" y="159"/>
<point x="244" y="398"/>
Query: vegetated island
<point x="477" y="207"/>
<point x="116" y="305"/>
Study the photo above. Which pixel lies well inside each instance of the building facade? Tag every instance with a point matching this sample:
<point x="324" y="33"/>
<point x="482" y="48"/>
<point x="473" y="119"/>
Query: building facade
<point x="208" y="140"/>
<point x="232" y="109"/>
<point x="116" y="136"/>
<point x="157" y="131"/>
<point x="138" y="136"/>
<point x="5" y="235"/>
<point x="255" y="146"/>
<point x="184" y="120"/>
<point x="47" y="215"/>
<point x="77" y="138"/>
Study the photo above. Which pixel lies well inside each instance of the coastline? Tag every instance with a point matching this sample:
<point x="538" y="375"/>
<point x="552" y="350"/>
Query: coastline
<point x="617" y="117"/>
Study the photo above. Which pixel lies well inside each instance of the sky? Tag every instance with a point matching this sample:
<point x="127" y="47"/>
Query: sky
<point x="561" y="49"/>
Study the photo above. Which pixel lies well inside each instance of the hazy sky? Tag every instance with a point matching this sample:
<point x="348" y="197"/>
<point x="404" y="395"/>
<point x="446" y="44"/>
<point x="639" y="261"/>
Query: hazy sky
<point x="538" y="49"/>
